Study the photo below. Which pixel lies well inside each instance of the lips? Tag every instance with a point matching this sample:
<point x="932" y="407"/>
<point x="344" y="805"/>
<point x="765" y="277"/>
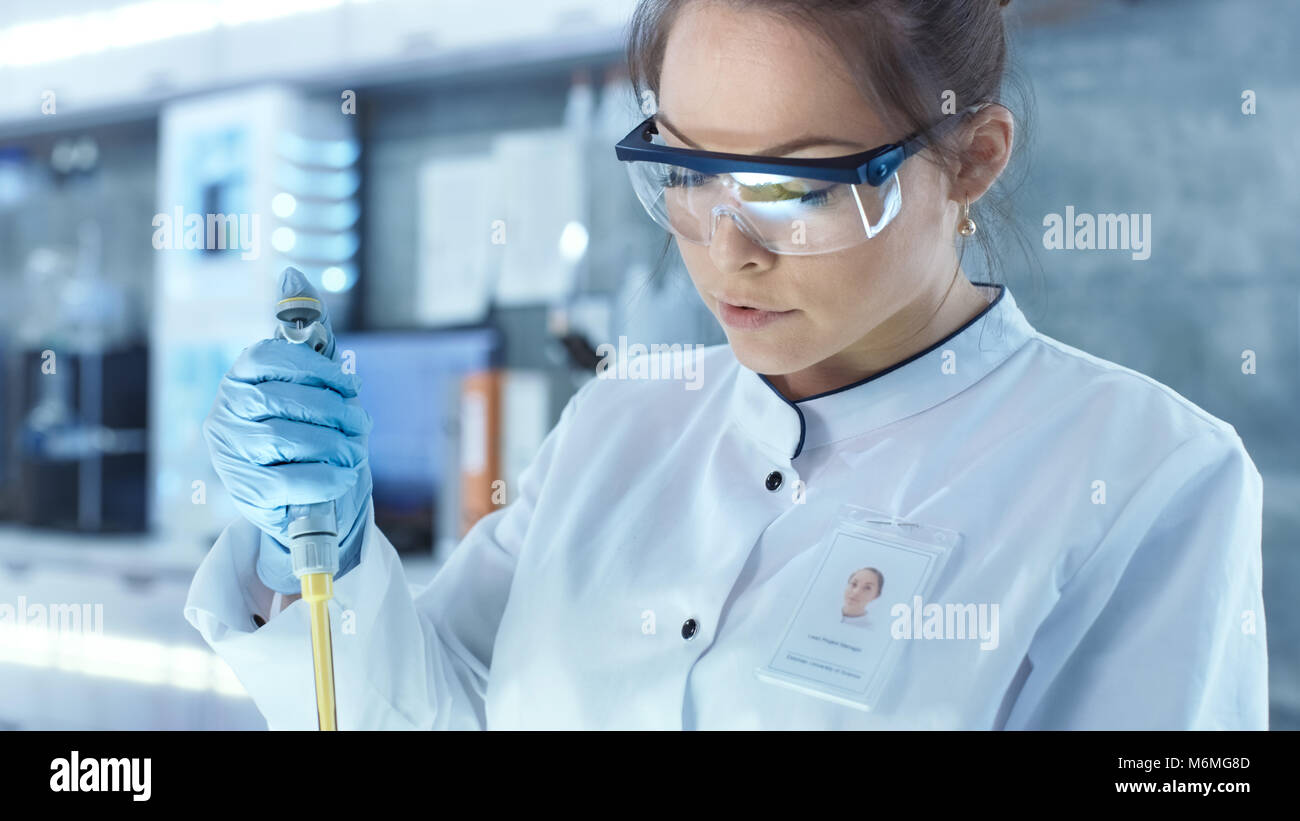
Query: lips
<point x="742" y="302"/>
<point x="736" y="316"/>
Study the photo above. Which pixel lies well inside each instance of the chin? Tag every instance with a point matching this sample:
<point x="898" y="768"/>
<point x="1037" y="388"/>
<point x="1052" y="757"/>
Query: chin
<point x="768" y="357"/>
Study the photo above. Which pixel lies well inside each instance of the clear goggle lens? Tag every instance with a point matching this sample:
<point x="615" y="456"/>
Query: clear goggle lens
<point x="786" y="215"/>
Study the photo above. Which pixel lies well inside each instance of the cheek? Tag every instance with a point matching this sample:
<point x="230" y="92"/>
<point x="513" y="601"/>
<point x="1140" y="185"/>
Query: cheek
<point x="921" y="221"/>
<point x="842" y="290"/>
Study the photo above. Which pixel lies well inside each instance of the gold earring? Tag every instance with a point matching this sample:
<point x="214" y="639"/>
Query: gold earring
<point x="967" y="226"/>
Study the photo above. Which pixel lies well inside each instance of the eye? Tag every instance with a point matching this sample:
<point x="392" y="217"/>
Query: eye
<point x="684" y="178"/>
<point x="821" y="196"/>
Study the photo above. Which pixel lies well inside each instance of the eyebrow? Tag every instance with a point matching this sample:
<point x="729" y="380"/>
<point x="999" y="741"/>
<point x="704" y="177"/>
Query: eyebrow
<point x="776" y="150"/>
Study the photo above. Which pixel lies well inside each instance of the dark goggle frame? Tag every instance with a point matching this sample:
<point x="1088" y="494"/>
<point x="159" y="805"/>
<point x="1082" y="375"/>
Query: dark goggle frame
<point x="872" y="167"/>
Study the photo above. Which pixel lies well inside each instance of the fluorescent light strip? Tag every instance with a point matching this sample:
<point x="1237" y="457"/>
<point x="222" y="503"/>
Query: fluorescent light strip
<point x="104" y="656"/>
<point x="60" y="38"/>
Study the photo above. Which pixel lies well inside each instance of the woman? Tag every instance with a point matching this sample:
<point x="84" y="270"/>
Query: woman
<point x="864" y="587"/>
<point x="651" y="557"/>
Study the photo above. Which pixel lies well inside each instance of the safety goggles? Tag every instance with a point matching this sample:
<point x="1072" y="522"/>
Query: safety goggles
<point x="796" y="206"/>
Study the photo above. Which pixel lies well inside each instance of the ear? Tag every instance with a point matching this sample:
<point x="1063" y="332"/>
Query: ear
<point x="985" y="149"/>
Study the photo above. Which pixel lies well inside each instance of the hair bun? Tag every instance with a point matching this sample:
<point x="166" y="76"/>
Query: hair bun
<point x="1003" y="3"/>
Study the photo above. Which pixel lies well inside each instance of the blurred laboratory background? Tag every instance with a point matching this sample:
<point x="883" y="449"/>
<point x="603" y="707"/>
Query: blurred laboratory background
<point x="388" y="147"/>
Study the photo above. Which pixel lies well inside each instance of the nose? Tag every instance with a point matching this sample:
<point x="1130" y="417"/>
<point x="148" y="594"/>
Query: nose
<point x="733" y="244"/>
<point x="737" y="221"/>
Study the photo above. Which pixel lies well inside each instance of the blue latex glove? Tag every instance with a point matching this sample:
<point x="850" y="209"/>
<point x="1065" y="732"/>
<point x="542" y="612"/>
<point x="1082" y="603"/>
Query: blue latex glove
<point x="287" y="429"/>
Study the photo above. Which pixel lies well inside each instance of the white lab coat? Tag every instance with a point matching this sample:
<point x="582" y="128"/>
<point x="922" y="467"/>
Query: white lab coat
<point x="647" y="505"/>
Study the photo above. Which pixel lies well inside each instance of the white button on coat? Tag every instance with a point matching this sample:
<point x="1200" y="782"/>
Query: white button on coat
<point x="647" y="506"/>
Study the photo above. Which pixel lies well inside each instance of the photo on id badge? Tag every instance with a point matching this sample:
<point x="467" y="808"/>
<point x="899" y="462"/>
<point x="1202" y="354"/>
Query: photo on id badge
<point x="838" y="643"/>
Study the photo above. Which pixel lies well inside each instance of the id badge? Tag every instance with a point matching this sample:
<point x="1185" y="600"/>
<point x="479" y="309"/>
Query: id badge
<point x="838" y="644"/>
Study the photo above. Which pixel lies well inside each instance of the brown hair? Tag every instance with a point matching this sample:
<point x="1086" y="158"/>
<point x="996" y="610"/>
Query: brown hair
<point x="905" y="56"/>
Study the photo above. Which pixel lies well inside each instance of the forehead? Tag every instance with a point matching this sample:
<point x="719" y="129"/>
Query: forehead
<point x="865" y="575"/>
<point x="738" y="80"/>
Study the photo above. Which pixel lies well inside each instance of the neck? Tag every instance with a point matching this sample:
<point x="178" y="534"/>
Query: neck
<point x="911" y="330"/>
